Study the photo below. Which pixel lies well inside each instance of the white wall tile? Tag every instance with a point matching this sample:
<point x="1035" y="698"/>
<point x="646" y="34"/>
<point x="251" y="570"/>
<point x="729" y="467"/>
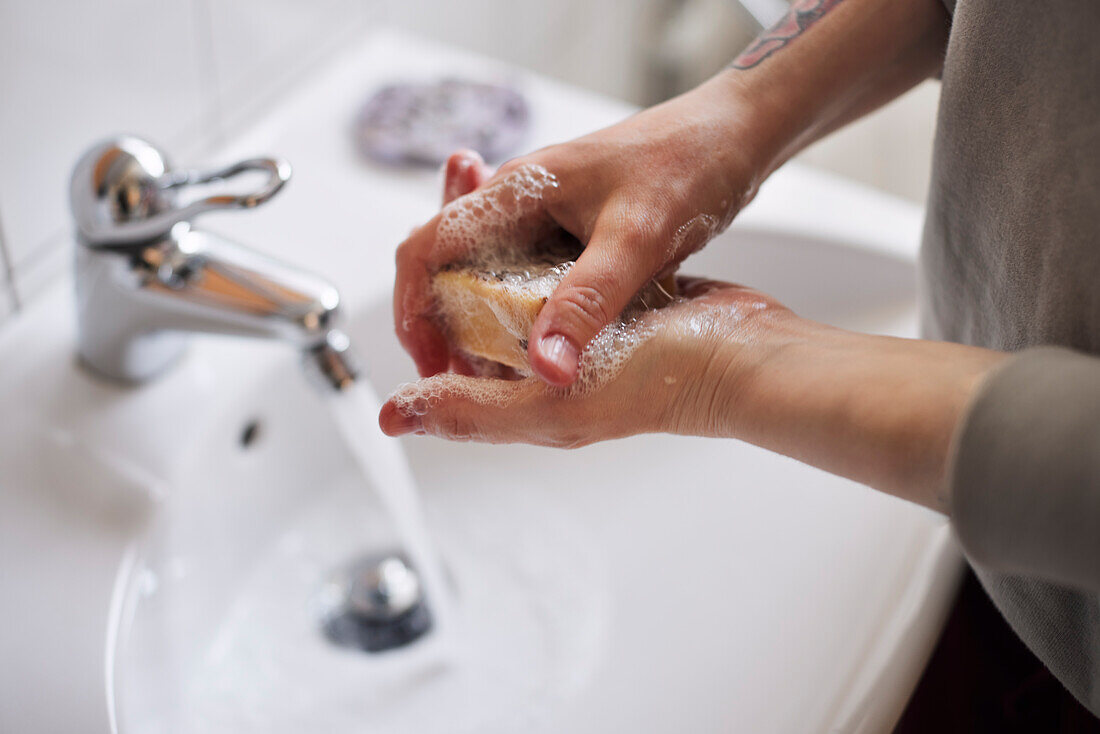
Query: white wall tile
<point x="73" y="71"/>
<point x="9" y="302"/>
<point x="182" y="73"/>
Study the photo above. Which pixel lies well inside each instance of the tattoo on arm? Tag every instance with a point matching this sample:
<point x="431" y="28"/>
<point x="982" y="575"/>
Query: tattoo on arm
<point x="802" y="15"/>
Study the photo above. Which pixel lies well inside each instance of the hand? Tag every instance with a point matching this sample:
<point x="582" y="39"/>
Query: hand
<point x="644" y="194"/>
<point x="729" y="361"/>
<point x="699" y="354"/>
<point x="641" y="196"/>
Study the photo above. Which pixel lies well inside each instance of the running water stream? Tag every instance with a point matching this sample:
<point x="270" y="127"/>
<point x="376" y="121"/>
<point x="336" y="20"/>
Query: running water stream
<point x="384" y="467"/>
<point x="214" y="648"/>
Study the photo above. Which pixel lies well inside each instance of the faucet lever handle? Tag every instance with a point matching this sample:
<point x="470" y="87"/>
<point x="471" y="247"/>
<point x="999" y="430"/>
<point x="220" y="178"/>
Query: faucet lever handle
<point x="278" y="171"/>
<point x="124" y="192"/>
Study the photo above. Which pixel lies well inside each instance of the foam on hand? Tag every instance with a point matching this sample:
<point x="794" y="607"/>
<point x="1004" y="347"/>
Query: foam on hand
<point x="507" y="257"/>
<point x="601" y="362"/>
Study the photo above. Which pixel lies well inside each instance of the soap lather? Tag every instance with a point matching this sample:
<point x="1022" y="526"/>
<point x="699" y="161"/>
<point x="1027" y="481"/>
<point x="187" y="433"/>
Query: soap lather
<point x="488" y="311"/>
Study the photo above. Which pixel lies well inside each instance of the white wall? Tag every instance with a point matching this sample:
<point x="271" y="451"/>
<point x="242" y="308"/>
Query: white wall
<point x="179" y="72"/>
<point x="186" y="73"/>
<point x="628" y="48"/>
<point x="598" y="44"/>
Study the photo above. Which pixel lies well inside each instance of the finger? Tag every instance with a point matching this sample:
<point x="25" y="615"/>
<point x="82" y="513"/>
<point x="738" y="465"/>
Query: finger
<point x="615" y="264"/>
<point x="395" y="422"/>
<point x="426" y="344"/>
<point x="421" y="255"/>
<point x="460" y="365"/>
<point x="412" y="301"/>
<point x="464" y="172"/>
<point x="461" y="408"/>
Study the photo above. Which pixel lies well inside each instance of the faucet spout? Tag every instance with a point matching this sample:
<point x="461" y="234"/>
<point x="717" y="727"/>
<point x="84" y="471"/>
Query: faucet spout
<point x="139" y="299"/>
<point x="331" y="365"/>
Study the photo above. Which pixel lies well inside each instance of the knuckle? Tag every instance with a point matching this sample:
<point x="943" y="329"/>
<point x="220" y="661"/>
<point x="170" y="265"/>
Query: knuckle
<point x="634" y="228"/>
<point x="447" y="424"/>
<point x="570" y="425"/>
<point x="642" y="231"/>
<point x="586" y="306"/>
<point x="753" y="306"/>
<point x="569" y="438"/>
<point x="602" y="282"/>
<point x="511" y="165"/>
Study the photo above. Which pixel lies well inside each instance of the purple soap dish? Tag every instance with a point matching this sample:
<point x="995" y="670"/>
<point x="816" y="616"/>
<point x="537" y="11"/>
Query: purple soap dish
<point x="423" y="123"/>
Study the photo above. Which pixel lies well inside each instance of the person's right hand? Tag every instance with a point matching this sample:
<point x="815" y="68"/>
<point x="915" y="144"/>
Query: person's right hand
<point x="640" y="196"/>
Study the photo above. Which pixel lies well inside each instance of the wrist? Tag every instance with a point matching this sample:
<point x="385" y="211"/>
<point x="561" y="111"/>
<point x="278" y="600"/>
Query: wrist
<point x="757" y="122"/>
<point x="729" y="355"/>
<point x="879" y="410"/>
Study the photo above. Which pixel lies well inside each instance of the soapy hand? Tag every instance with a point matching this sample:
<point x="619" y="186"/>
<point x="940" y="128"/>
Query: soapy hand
<point x="723" y="361"/>
<point x="641" y="196"/>
<point x="681" y="367"/>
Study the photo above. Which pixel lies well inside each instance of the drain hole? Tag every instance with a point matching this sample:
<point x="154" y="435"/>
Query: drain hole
<point x="250" y="433"/>
<point x="375" y="603"/>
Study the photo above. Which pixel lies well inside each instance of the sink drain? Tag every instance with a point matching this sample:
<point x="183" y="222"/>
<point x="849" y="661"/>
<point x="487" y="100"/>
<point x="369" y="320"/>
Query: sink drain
<point x="375" y="603"/>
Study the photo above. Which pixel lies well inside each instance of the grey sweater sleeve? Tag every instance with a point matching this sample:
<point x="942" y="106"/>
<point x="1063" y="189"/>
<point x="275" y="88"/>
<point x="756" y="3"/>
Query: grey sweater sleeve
<point x="1026" y="469"/>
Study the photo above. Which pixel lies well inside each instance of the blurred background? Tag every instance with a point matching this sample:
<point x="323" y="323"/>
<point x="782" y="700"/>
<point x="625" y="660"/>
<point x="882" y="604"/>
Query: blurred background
<point x="190" y="74"/>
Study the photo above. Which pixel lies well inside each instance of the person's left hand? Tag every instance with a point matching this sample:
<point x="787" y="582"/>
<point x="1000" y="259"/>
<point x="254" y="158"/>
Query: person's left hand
<point x="730" y="361"/>
<point x="695" y="356"/>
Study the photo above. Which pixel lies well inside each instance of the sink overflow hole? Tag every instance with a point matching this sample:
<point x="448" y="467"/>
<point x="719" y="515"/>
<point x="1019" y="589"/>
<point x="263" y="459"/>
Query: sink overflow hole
<point x="250" y="433"/>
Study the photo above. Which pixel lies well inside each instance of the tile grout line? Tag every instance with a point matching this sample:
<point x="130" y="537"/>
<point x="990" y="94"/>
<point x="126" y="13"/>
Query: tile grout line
<point x="9" y="270"/>
<point x="27" y="267"/>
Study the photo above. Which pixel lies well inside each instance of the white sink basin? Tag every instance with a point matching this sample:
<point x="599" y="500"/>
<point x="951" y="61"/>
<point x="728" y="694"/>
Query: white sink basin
<point x="158" y="574"/>
<point x="648" y="585"/>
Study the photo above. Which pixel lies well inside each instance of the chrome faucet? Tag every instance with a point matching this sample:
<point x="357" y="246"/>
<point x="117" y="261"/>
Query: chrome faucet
<point x="146" y="278"/>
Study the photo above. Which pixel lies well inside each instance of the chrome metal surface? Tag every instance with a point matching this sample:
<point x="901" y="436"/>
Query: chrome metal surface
<point x="124" y="191"/>
<point x="375" y="603"/>
<point x="383" y="589"/>
<point x="331" y="364"/>
<point x="145" y="277"/>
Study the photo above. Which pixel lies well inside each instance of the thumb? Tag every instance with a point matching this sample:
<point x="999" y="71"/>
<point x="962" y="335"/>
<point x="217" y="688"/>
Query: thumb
<point x="612" y="269"/>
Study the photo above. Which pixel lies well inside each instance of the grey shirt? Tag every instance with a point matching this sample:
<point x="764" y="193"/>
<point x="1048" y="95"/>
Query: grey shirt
<point x="1011" y="261"/>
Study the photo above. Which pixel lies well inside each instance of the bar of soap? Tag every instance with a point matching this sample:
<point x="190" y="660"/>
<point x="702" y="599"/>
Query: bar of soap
<point x="490" y="314"/>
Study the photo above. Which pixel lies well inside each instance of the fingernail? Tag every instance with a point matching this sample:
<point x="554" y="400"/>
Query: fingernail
<point x="562" y="355"/>
<point x="400" y="424"/>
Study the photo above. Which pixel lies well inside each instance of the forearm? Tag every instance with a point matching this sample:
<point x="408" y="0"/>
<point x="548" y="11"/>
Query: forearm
<point x="828" y="63"/>
<point x="879" y="410"/>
